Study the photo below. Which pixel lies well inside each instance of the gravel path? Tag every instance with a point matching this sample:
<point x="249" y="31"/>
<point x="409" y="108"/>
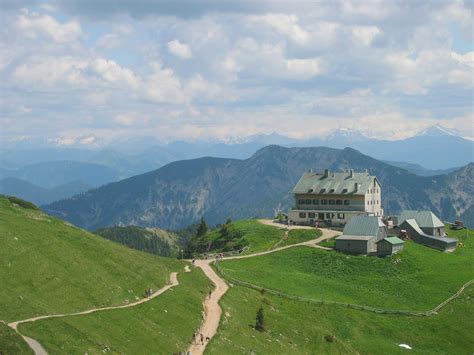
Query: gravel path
<point x="39" y="350"/>
<point x="212" y="309"/>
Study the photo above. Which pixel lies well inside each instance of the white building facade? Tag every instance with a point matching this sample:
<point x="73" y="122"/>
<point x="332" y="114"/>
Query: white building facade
<point x="335" y="197"/>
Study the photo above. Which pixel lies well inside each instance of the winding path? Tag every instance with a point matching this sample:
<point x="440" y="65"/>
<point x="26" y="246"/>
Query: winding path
<point x="212" y="309"/>
<point x="39" y="350"/>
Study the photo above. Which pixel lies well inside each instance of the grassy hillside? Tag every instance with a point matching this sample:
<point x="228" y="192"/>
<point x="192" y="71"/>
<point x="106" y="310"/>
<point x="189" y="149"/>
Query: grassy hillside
<point x="299" y="328"/>
<point x="162" y="326"/>
<point x="11" y="343"/>
<point x="152" y="240"/>
<point x="249" y="233"/>
<point x="48" y="266"/>
<point x="420" y="280"/>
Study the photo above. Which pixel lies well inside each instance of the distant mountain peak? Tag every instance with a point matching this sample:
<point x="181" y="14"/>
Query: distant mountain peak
<point x="439" y="131"/>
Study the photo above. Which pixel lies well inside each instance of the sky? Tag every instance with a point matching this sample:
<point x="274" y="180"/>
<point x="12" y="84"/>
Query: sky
<point x="97" y="71"/>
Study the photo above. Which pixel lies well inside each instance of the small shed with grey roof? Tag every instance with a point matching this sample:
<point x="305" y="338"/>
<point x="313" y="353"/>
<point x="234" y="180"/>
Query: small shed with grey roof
<point x="389" y="246"/>
<point x="361" y="235"/>
<point x="428" y="222"/>
<point x="414" y="232"/>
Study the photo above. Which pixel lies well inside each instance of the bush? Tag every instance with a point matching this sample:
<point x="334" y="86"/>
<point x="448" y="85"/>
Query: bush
<point x="22" y="203"/>
<point x="330" y="338"/>
<point x="260" y="320"/>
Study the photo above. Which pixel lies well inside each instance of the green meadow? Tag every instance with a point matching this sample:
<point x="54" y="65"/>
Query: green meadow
<point x="48" y="266"/>
<point x="254" y="235"/>
<point x="11" y="343"/>
<point x="295" y="327"/>
<point x="163" y="325"/>
<point x="418" y="278"/>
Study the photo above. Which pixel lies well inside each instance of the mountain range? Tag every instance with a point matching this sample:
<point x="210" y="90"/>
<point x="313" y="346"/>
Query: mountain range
<point x="181" y="192"/>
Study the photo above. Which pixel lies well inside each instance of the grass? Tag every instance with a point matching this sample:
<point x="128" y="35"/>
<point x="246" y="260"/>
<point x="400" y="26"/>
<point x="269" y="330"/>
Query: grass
<point x="48" y="266"/>
<point x="162" y="326"/>
<point x="421" y="280"/>
<point x="299" y="328"/>
<point x="296" y="236"/>
<point x="261" y="237"/>
<point x="12" y="343"/>
<point x="255" y="235"/>
<point x="328" y="243"/>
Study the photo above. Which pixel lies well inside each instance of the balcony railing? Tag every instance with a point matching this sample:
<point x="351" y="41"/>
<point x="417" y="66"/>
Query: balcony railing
<point x="329" y="208"/>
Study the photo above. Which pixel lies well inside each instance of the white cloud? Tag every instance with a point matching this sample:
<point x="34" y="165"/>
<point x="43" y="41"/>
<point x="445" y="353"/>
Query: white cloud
<point x="49" y="72"/>
<point x="268" y="60"/>
<point x="365" y="34"/>
<point x="114" y="74"/>
<point x="126" y="119"/>
<point x="162" y="86"/>
<point x="302" y="69"/>
<point x="286" y="25"/>
<point x="33" y="24"/>
<point x="178" y="49"/>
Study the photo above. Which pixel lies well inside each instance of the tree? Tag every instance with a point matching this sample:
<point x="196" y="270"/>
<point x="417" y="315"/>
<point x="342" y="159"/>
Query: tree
<point x="202" y="228"/>
<point x="260" y="320"/>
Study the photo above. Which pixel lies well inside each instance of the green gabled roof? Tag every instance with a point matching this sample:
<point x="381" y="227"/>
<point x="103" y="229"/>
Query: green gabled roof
<point x="363" y="225"/>
<point x="394" y="240"/>
<point x="424" y="219"/>
<point x="340" y="182"/>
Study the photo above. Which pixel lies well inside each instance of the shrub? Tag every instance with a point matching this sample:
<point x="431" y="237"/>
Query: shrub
<point x="22" y="203"/>
<point x="330" y="338"/>
<point x="260" y="320"/>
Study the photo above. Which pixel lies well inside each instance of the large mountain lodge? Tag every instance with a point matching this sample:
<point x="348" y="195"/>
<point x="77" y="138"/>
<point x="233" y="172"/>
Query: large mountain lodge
<point x="335" y="197"/>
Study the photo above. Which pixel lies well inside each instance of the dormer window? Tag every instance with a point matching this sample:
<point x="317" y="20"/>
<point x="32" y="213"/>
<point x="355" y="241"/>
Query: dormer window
<point x="323" y="190"/>
<point x="344" y="191"/>
<point x="310" y="190"/>
<point x="331" y="191"/>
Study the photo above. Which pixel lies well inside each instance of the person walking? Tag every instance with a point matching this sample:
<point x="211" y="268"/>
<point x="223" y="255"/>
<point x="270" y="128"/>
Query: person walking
<point x="202" y="339"/>
<point x="210" y="292"/>
<point x="194" y="338"/>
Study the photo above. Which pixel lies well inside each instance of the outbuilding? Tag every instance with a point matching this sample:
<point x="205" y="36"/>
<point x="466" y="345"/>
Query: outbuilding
<point x="389" y="246"/>
<point x="361" y="234"/>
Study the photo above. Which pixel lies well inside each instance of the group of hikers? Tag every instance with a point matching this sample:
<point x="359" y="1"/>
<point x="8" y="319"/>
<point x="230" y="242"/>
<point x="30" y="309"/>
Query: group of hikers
<point x="199" y="340"/>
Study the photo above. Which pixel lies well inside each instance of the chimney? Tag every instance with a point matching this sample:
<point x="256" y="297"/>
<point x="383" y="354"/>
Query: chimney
<point x="326" y="173"/>
<point x="351" y="173"/>
<point x="356" y="187"/>
<point x="310" y="170"/>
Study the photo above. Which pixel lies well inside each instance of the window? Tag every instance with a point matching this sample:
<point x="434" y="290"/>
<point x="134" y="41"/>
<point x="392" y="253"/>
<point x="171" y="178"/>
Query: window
<point x="300" y="202"/>
<point x="324" y="202"/>
<point x="340" y="215"/>
<point x="328" y="215"/>
<point x="323" y="190"/>
<point x="308" y="202"/>
<point x="311" y="215"/>
<point x="302" y="214"/>
<point x="344" y="191"/>
<point x="332" y="202"/>
<point x="331" y="191"/>
<point x="338" y="202"/>
<point x="377" y="202"/>
<point x="346" y="202"/>
<point x="315" y="202"/>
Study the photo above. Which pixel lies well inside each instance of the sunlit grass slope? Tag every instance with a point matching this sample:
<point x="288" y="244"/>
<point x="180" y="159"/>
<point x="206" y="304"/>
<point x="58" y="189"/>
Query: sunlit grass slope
<point x="48" y="266"/>
<point x="295" y="327"/>
<point x="418" y="278"/>
<point x="162" y="326"/>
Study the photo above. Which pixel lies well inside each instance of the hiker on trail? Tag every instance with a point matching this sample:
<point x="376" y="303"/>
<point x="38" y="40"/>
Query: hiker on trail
<point x="210" y="292"/>
<point x="194" y="260"/>
<point x="202" y="339"/>
<point x="194" y="338"/>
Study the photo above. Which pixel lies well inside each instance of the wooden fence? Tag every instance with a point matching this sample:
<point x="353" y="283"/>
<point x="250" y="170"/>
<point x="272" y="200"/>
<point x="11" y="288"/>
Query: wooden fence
<point x="428" y="313"/>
